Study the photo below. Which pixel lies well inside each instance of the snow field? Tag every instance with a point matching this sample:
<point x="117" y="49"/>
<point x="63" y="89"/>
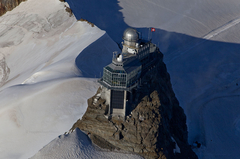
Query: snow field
<point x="192" y="17"/>
<point x="40" y="112"/>
<point x="199" y="39"/>
<point x="45" y="93"/>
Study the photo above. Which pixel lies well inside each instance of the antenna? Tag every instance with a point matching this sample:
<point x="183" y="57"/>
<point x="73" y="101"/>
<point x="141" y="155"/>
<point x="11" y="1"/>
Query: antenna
<point x="151" y="35"/>
<point x="140" y="35"/>
<point x="148" y="33"/>
<point x="114" y="55"/>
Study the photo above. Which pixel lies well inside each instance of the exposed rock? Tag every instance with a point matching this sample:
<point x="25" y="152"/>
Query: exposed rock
<point x="8" y="5"/>
<point x="67" y="9"/>
<point x="156" y="119"/>
<point x="4" y="70"/>
<point x="84" y="20"/>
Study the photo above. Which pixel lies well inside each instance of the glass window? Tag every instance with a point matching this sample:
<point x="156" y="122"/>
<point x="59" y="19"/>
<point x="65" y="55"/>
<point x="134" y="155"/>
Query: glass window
<point x="116" y="78"/>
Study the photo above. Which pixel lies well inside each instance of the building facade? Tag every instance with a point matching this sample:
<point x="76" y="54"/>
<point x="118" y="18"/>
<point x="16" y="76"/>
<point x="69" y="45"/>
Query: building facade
<point x="122" y="76"/>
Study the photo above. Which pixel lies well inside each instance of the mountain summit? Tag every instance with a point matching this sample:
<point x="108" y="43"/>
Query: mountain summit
<point x="155" y="127"/>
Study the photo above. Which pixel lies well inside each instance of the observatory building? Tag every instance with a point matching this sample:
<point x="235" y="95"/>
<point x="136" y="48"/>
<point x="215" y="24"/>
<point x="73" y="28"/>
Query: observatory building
<point x="121" y="78"/>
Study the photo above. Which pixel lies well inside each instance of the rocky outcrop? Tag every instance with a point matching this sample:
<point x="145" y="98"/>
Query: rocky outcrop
<point x="84" y="20"/>
<point x="4" y="70"/>
<point x="7" y="5"/>
<point x="153" y="129"/>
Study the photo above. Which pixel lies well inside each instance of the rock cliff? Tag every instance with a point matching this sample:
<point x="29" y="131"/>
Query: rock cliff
<point x="155" y="128"/>
<point x="7" y="5"/>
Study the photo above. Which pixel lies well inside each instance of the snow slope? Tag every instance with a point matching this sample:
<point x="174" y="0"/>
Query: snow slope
<point x="204" y="71"/>
<point x="43" y="92"/>
<point x="77" y="145"/>
<point x="48" y="69"/>
<point x="200" y="42"/>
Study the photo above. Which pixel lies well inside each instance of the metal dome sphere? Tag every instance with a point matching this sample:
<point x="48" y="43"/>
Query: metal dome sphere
<point x="131" y="35"/>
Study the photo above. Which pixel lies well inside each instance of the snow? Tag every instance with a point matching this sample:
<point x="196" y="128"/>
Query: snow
<point x="222" y="120"/>
<point x="191" y="17"/>
<point x="177" y="149"/>
<point x="77" y="145"/>
<point x="203" y="72"/>
<point x="200" y="43"/>
<point x="43" y="92"/>
<point x="48" y="73"/>
<point x="35" y="114"/>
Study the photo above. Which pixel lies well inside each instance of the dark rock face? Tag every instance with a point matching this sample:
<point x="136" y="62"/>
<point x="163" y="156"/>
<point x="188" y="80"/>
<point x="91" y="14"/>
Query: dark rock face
<point x="154" y="125"/>
<point x="7" y="5"/>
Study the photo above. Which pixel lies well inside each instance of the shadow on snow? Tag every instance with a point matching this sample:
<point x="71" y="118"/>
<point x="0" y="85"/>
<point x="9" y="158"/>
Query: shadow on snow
<point x="203" y="60"/>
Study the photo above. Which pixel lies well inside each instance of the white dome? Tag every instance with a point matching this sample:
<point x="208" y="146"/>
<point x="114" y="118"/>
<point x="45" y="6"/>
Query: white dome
<point x="131" y="35"/>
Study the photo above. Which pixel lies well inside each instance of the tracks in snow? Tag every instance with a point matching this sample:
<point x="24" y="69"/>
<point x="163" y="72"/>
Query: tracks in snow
<point x="222" y="29"/>
<point x="208" y="36"/>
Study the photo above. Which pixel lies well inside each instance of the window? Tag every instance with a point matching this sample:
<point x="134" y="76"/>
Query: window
<point x="115" y="78"/>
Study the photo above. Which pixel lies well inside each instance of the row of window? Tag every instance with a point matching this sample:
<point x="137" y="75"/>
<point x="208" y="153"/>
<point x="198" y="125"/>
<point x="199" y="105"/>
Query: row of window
<point x="143" y="54"/>
<point x="114" y="79"/>
<point x="120" y="79"/>
<point x="114" y="71"/>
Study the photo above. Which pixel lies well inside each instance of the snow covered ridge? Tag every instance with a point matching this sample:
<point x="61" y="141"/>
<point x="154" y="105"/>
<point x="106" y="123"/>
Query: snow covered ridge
<point x="43" y="92"/>
<point x="29" y="26"/>
<point x="77" y="145"/>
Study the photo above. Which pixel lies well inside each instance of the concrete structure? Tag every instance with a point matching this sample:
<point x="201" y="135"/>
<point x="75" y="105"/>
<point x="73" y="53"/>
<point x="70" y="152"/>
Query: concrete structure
<point x="121" y="77"/>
